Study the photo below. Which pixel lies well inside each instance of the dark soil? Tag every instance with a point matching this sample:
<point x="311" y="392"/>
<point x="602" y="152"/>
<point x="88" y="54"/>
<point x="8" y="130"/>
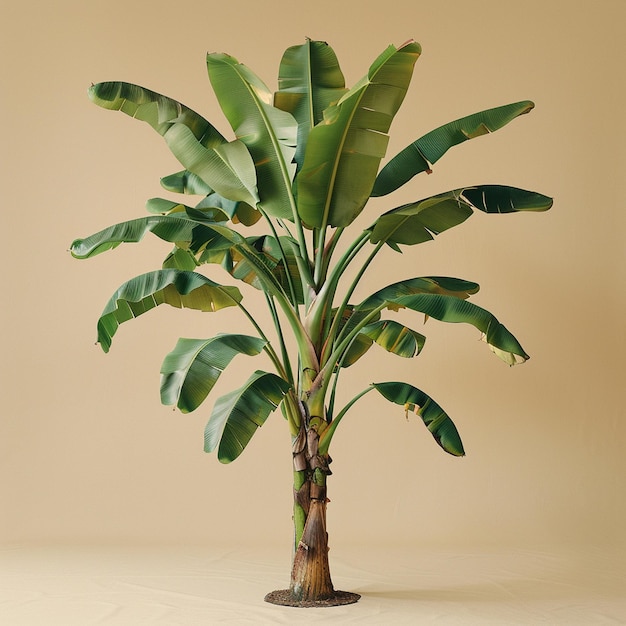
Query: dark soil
<point x="283" y="597"/>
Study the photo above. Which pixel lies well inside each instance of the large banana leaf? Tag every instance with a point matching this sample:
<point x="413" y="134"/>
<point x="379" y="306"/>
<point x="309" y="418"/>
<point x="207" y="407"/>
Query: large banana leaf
<point x="309" y="81"/>
<point x="419" y="221"/>
<point x="174" y="287"/>
<point x="452" y="309"/>
<point x="456" y="287"/>
<point x="269" y="133"/>
<point x="387" y="333"/>
<point x="228" y="168"/>
<point x="437" y="421"/>
<point x="344" y="150"/>
<point x="155" y="109"/>
<point x="237" y="415"/>
<point x="191" y="370"/>
<point x="225" y="167"/>
<point x="418" y="156"/>
<point x="175" y="228"/>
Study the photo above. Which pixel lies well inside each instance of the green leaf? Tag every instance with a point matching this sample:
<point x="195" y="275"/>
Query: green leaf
<point x="502" y="199"/>
<point x="228" y="168"/>
<point x="395" y="338"/>
<point x="361" y="343"/>
<point x="456" y="287"/>
<point x="388" y="334"/>
<point x="266" y="259"/>
<point x="237" y="415"/>
<point x="418" y="156"/>
<point x="188" y="183"/>
<point x="437" y="421"/>
<point x="176" y="228"/>
<point x="420" y="221"/>
<point x="155" y="109"/>
<point x="376" y="330"/>
<point x="185" y="182"/>
<point x="269" y="133"/>
<point x="204" y="214"/>
<point x="191" y="370"/>
<point x="225" y="167"/>
<point x="309" y="81"/>
<point x="176" y="288"/>
<point x="179" y="259"/>
<point x="359" y="346"/>
<point x="344" y="150"/>
<point x="239" y="212"/>
<point x="451" y="309"/>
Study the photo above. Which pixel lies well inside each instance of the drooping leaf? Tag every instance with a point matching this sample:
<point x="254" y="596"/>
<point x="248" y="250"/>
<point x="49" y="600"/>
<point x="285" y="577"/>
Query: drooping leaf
<point x="358" y="348"/>
<point x="155" y="109"/>
<point x="175" y="228"/>
<point x="227" y="168"/>
<point x="191" y="370"/>
<point x="456" y="287"/>
<point x="420" y="221"/>
<point x="390" y="335"/>
<point x="451" y="309"/>
<point x="502" y="199"/>
<point x="395" y="338"/>
<point x="309" y="81"/>
<point x="147" y="291"/>
<point x="427" y="150"/>
<point x="237" y="415"/>
<point x="437" y="421"/>
<point x="269" y="133"/>
<point x="344" y="150"/>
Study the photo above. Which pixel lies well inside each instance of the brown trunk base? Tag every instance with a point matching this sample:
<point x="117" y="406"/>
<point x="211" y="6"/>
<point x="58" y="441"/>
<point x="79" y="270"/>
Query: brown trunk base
<point x="284" y="597"/>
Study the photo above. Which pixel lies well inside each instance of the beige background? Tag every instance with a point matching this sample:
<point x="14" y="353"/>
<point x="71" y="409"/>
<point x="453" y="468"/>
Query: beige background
<point x="88" y="454"/>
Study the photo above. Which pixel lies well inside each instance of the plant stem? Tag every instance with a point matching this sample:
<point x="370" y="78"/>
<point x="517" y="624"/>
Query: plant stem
<point x="320" y="312"/>
<point x="327" y="435"/>
<point x="337" y="271"/>
<point x="292" y="290"/>
<point x="285" y="372"/>
<point x="299" y="514"/>
<point x="272" y="286"/>
<point x="283" y="348"/>
<point x="343" y="345"/>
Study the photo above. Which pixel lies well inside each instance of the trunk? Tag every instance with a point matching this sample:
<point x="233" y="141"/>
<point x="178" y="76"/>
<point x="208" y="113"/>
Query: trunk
<point x="310" y="574"/>
<point x="310" y="584"/>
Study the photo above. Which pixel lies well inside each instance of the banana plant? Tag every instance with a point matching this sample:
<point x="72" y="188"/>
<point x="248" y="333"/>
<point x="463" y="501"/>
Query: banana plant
<point x="300" y="166"/>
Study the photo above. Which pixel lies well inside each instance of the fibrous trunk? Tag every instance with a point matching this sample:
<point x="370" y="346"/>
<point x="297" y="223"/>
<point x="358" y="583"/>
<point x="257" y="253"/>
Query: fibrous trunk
<point x="310" y="575"/>
<point x="311" y="584"/>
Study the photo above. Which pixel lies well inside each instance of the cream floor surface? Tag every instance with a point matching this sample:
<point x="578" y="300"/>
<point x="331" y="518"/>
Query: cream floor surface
<point x="84" y="586"/>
